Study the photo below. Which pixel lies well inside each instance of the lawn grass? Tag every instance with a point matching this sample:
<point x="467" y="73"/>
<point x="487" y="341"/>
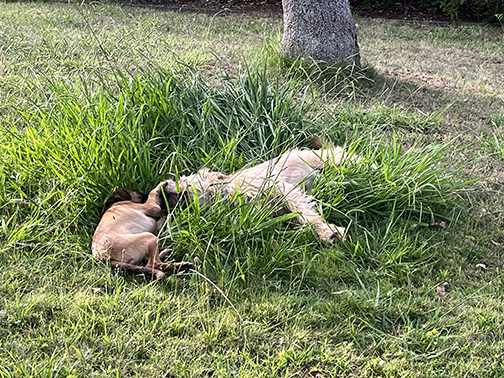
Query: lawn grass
<point x="96" y="97"/>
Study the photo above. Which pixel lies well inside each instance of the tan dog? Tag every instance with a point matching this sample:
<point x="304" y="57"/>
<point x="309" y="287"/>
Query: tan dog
<point x="126" y="234"/>
<point x="283" y="178"/>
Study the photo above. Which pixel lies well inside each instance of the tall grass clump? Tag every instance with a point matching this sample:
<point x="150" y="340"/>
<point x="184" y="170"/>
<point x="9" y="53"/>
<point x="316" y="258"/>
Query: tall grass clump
<point x="493" y="140"/>
<point x="130" y="133"/>
<point x="330" y="81"/>
<point x="80" y="141"/>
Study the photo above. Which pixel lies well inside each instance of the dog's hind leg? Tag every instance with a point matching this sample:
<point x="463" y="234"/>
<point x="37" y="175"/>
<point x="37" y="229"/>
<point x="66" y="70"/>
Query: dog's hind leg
<point x="182" y="266"/>
<point x="303" y="204"/>
<point x="136" y="269"/>
<point x="154" y="259"/>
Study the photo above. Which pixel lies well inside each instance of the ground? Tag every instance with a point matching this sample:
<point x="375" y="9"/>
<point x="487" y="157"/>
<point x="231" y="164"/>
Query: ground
<point x="93" y="97"/>
<point x="402" y="10"/>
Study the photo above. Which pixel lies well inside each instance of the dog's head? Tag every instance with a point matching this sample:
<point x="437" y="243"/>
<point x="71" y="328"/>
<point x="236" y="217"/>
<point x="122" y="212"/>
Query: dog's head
<point x="201" y="185"/>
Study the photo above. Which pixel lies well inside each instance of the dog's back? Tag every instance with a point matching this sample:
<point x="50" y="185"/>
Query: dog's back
<point x="292" y="167"/>
<point x="121" y="220"/>
<point x="286" y="178"/>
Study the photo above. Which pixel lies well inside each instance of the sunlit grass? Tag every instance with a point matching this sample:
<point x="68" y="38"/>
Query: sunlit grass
<point x="77" y="142"/>
<point x="99" y="97"/>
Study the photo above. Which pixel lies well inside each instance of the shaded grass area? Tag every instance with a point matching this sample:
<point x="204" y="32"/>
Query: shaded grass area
<point x="128" y="113"/>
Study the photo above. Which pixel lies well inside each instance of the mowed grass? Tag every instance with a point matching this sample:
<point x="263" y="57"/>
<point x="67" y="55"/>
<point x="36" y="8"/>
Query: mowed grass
<point x="97" y="97"/>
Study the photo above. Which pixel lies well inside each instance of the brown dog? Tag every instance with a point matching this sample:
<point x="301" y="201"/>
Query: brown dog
<point x="126" y="234"/>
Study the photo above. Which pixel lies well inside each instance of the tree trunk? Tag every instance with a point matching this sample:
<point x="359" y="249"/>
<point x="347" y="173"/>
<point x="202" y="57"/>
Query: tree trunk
<point x="321" y="29"/>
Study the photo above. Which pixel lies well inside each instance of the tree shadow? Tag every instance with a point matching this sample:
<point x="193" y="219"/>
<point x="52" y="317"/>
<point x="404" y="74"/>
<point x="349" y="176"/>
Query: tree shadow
<point x="465" y="113"/>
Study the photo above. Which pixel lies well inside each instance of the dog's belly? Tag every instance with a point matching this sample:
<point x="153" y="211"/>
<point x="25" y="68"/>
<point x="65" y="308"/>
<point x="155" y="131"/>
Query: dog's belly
<point x="293" y="167"/>
<point x="266" y="178"/>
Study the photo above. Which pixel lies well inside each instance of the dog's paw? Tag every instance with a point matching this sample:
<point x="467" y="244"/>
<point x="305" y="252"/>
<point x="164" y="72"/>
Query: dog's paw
<point x="183" y="267"/>
<point x="332" y="233"/>
<point x="159" y="275"/>
<point x="340" y="234"/>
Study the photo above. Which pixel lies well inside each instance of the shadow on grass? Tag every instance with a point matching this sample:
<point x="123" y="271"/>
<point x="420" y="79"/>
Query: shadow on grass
<point x="364" y="85"/>
<point x="410" y="93"/>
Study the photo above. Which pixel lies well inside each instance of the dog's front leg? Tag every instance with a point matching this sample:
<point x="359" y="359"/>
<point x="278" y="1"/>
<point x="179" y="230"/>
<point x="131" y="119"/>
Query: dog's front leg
<point x="303" y="204"/>
<point x="159" y="223"/>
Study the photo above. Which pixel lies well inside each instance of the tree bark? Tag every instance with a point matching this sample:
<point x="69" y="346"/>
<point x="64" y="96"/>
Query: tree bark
<point x="321" y="29"/>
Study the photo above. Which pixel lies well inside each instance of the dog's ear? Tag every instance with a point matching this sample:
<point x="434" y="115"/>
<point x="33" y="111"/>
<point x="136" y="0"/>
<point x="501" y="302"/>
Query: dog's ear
<point x="121" y="195"/>
<point x="138" y="197"/>
<point x="127" y="195"/>
<point x="172" y="200"/>
<point x="181" y="201"/>
<point x="318" y="144"/>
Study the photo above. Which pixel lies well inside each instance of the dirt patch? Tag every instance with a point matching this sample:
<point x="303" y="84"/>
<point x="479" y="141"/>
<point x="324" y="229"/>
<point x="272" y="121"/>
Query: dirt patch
<point x="218" y="5"/>
<point x="402" y="10"/>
